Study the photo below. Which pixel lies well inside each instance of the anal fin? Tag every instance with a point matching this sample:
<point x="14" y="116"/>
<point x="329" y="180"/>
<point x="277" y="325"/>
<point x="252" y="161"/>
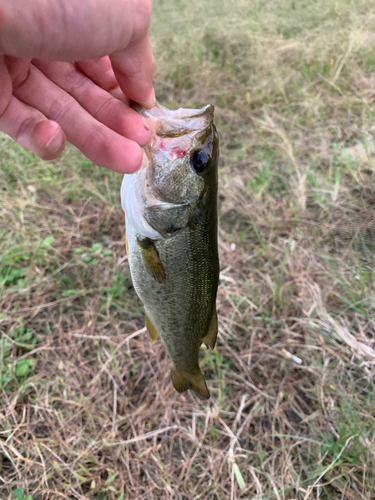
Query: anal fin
<point x="210" y="338"/>
<point x="152" y="331"/>
<point x="196" y="383"/>
<point x="151" y="259"/>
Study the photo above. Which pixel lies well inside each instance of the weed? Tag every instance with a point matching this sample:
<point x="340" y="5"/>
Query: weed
<point x="19" y="495"/>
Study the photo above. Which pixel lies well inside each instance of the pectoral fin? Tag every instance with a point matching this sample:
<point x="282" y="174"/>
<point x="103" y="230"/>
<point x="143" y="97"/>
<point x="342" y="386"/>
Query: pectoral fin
<point x="127" y="245"/>
<point x="152" y="331"/>
<point x="151" y="259"/>
<point x="210" y="338"/>
<point x="195" y="382"/>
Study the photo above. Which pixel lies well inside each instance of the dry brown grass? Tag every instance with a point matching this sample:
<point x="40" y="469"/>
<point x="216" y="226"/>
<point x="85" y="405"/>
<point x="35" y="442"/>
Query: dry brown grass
<point x="87" y="410"/>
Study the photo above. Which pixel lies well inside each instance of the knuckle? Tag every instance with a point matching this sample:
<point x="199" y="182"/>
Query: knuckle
<point x="60" y="107"/>
<point x="24" y="131"/>
<point x="142" y="18"/>
<point x="74" y="81"/>
<point x="5" y="88"/>
<point x="95" y="136"/>
<point x="134" y="67"/>
<point x="19" y="70"/>
<point x="5" y="98"/>
<point x="21" y="77"/>
<point x="109" y="81"/>
<point x="104" y="106"/>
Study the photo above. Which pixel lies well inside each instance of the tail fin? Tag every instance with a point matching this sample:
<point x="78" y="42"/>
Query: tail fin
<point x="195" y="382"/>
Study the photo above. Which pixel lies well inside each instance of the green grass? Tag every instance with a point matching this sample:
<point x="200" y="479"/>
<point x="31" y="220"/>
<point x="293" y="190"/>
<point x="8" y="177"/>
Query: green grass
<point x="18" y="495"/>
<point x="87" y="410"/>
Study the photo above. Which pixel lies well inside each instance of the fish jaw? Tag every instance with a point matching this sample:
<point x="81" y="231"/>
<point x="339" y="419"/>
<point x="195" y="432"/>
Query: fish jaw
<point x="145" y="212"/>
<point x="176" y="123"/>
<point x="131" y="200"/>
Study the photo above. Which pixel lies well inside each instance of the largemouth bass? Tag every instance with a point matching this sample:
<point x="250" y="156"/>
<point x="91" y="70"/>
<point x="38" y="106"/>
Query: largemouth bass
<point x="170" y="208"/>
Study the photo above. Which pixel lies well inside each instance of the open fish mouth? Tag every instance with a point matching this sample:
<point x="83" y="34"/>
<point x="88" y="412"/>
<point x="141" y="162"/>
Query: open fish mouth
<point x="176" y="123"/>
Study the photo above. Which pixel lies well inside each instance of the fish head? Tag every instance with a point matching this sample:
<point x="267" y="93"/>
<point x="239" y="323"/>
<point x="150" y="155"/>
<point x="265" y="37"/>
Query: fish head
<point x="182" y="154"/>
<point x="178" y="174"/>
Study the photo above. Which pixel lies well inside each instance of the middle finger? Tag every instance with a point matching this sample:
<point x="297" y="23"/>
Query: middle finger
<point x="99" y="103"/>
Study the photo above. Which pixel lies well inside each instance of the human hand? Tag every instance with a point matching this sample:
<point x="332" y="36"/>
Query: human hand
<point x="46" y="99"/>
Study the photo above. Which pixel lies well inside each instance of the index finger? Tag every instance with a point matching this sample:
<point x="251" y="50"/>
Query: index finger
<point x="134" y="70"/>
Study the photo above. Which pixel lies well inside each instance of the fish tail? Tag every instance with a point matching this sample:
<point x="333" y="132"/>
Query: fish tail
<point x="195" y="382"/>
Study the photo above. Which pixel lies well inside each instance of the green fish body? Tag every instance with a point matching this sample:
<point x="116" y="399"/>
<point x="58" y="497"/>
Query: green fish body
<point x="171" y="225"/>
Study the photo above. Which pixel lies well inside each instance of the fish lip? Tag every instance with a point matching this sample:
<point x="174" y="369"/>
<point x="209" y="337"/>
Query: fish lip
<point x="184" y="121"/>
<point x="167" y="123"/>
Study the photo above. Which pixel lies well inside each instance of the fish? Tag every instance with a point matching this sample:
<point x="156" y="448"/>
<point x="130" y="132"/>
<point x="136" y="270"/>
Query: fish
<point x="171" y="219"/>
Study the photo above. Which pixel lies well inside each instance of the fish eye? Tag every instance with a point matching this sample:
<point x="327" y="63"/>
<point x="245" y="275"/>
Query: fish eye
<point x="199" y="160"/>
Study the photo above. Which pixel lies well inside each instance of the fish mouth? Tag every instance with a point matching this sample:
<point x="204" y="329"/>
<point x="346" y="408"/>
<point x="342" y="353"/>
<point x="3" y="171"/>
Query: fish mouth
<point x="168" y="123"/>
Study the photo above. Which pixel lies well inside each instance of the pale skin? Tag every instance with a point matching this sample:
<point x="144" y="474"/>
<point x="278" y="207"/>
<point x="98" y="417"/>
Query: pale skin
<point x="68" y="69"/>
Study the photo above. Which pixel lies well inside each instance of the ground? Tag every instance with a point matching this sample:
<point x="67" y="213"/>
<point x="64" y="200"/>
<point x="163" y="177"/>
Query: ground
<point x="87" y="409"/>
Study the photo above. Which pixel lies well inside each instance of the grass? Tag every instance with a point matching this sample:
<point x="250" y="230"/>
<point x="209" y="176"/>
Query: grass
<point x="87" y="410"/>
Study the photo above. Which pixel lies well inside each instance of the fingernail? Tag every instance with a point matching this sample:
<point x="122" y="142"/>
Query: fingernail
<point x="55" y="143"/>
<point x="151" y="101"/>
<point x="153" y="97"/>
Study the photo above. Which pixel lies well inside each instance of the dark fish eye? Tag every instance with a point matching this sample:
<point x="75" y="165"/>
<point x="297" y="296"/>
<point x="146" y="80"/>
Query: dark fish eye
<point x="199" y="160"/>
